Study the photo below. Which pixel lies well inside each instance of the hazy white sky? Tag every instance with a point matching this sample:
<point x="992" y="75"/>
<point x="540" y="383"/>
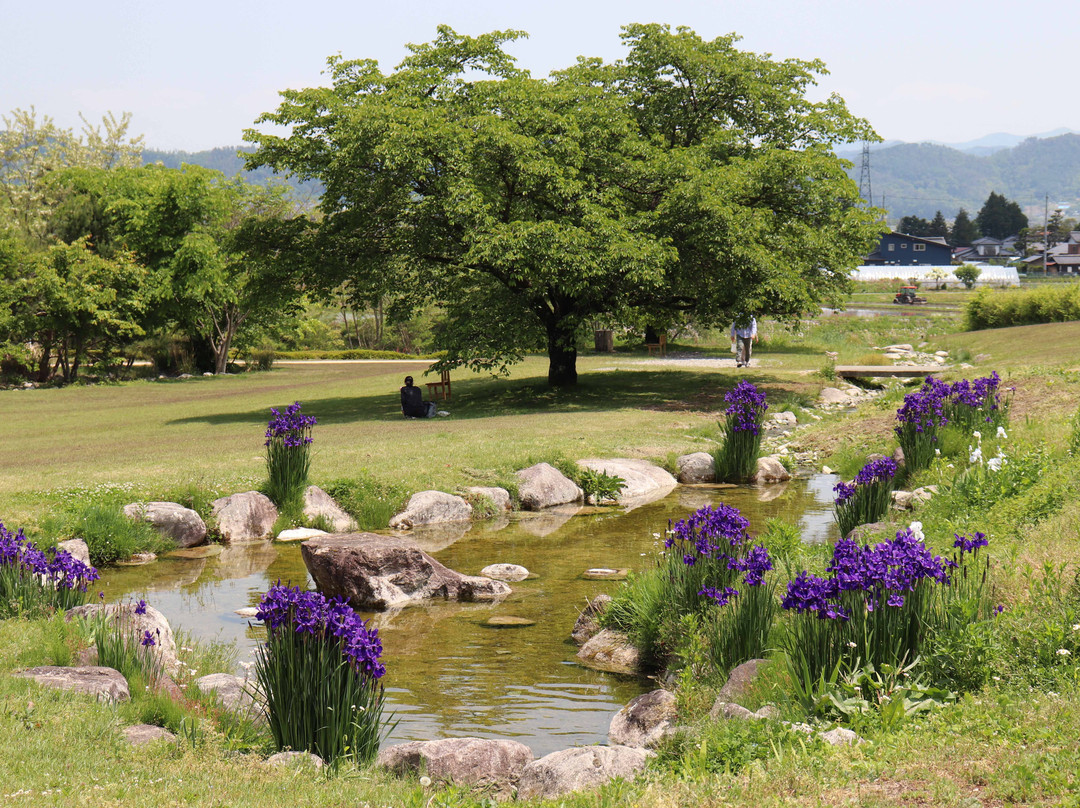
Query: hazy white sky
<point x="194" y="74"/>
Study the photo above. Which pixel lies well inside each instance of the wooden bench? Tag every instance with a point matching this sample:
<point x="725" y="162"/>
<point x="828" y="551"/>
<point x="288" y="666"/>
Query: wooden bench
<point x="893" y="371"/>
<point x="441" y="388"/>
<point x="660" y="347"/>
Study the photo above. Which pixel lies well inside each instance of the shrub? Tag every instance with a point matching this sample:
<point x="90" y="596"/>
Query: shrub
<point x="370" y="502"/>
<point x="866" y="499"/>
<point x="1046" y="304"/>
<point x="261" y="358"/>
<point x="320" y="671"/>
<point x="736" y="459"/>
<point x="920" y="417"/>
<point x="32" y="582"/>
<point x="599" y="486"/>
<point x="968" y="274"/>
<point x="288" y="454"/>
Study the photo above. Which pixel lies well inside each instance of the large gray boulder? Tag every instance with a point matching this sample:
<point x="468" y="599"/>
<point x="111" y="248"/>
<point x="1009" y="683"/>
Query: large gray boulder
<point x="77" y="549"/>
<point x="741" y="680"/>
<point x="183" y="525"/>
<point x="134" y="626"/>
<point x="642" y="481"/>
<point x="477" y="762"/>
<point x="610" y="651"/>
<point x="249" y="516"/>
<point x="587" y="625"/>
<point x="318" y="503"/>
<point x="431" y="508"/>
<point x="106" y="684"/>
<point x="582" y="769"/>
<point x="543" y="486"/>
<point x="699" y="467"/>
<point x="644" y="721"/>
<point x="232" y="693"/>
<point x="770" y="470"/>
<point x="381" y="572"/>
<point x="500" y="496"/>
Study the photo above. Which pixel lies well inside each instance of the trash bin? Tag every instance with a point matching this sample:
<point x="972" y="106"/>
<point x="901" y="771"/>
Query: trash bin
<point x="604" y="341"/>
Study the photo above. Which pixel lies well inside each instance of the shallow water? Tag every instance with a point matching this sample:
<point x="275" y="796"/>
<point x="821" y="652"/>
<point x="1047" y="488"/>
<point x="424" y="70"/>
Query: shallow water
<point x="448" y="674"/>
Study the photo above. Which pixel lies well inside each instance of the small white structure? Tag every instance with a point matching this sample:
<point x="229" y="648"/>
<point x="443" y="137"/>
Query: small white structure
<point x="914" y="275"/>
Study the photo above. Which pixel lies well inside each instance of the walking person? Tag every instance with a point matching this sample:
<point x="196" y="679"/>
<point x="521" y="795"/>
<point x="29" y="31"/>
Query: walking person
<point x="743" y="333"/>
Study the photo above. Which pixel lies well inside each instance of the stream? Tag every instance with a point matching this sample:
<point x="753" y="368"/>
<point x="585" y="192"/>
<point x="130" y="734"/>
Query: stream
<point x="448" y="673"/>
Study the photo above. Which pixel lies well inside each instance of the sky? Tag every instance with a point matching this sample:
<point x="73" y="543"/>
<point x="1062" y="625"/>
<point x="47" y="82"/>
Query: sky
<point x="195" y="74"/>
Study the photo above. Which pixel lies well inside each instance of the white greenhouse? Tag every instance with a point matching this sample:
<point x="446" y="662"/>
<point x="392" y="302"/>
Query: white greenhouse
<point x="926" y="275"/>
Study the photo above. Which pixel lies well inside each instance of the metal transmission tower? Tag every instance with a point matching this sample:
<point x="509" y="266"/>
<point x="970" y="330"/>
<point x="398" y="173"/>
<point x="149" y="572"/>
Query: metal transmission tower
<point x="864" y="176"/>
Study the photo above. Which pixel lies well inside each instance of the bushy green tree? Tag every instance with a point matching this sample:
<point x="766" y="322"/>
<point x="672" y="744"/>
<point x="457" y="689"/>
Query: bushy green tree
<point x="1000" y="218"/>
<point x="690" y="177"/>
<point x="968" y="273"/>
<point x="914" y="226"/>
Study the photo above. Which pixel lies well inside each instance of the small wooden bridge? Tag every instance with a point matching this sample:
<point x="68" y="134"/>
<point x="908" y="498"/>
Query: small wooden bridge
<point x="895" y="371"/>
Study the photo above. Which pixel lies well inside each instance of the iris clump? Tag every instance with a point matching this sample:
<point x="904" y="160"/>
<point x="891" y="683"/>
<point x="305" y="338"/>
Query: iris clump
<point x="921" y="417"/>
<point x="320" y="671"/>
<point x="710" y="580"/>
<point x="877" y="605"/>
<point x="33" y="581"/>
<point x="125" y="644"/>
<point x="736" y="460"/>
<point x="288" y="454"/>
<point x="865" y="499"/>
<point x="978" y="404"/>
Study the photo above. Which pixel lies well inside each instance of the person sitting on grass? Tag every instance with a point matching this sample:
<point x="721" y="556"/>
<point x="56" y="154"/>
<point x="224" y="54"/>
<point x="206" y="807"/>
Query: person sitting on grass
<point x="412" y="402"/>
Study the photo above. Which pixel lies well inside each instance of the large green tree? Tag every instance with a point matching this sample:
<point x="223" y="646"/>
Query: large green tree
<point x="963" y="230"/>
<point x="1000" y="218"/>
<point x="690" y="177"/>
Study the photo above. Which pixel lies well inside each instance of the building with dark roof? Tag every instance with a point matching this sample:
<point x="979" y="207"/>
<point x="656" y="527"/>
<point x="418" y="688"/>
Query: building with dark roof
<point x="904" y="250"/>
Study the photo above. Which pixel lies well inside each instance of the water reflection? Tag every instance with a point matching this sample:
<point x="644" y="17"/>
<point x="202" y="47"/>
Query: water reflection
<point x="449" y="673"/>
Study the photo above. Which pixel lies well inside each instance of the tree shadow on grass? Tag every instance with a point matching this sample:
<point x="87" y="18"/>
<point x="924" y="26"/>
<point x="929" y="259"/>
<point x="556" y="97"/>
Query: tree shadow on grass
<point x="673" y="390"/>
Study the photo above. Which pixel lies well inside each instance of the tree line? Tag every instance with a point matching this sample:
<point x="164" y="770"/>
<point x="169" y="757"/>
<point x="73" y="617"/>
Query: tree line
<point x="688" y="181"/>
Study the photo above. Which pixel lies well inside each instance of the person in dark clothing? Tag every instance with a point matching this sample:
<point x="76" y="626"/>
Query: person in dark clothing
<point x="412" y="401"/>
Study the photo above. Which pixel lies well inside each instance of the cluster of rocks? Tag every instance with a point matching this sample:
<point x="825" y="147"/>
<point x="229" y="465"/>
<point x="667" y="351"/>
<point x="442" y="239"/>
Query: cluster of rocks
<point x="907" y="356"/>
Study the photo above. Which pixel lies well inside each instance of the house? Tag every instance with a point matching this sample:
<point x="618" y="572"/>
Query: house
<point x="904" y="250"/>
<point x="1061" y="259"/>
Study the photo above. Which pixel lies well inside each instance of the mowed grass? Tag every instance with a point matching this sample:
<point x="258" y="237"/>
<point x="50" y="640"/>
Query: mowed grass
<point x="151" y="436"/>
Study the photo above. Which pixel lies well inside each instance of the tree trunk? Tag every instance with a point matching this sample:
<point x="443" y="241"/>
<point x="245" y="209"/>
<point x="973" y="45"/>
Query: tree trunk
<point x="562" y="354"/>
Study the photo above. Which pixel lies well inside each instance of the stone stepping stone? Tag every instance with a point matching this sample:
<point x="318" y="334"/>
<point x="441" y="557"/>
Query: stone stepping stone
<point x="142" y="734"/>
<point x="505" y="572"/>
<point x="206" y="551"/>
<point x="138" y="560"/>
<point x="605" y="574"/>
<point x="508" y="621"/>
<point x="300" y="534"/>
<point x="107" y="684"/>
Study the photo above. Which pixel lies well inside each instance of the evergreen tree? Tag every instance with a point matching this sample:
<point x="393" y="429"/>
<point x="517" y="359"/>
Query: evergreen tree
<point x="1000" y="218"/>
<point x="939" y="227"/>
<point x="964" y="231"/>
<point x="914" y="226"/>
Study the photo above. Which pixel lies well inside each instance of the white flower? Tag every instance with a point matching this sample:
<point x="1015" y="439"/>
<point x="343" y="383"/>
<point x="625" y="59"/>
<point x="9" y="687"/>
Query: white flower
<point x="977" y="435"/>
<point x="1063" y="652"/>
<point x="1001" y="433"/>
<point x="1076" y="626"/>
<point x="851" y="644"/>
<point x="937" y="452"/>
<point x="975" y="456"/>
<point x="916" y="530"/>
<point x="425" y="781"/>
<point x="995" y="463"/>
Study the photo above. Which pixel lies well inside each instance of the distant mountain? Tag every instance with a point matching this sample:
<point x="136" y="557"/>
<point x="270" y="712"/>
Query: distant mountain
<point x="228" y="160"/>
<point x="921" y="178"/>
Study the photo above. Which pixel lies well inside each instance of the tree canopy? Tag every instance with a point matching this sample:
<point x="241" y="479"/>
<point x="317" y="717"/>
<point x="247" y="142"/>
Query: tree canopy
<point x="689" y="179"/>
<point x="1000" y="218"/>
<point x="963" y="231"/>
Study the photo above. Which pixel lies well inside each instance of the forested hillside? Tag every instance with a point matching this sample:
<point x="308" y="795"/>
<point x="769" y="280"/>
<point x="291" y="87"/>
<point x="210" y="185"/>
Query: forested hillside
<point x="920" y="179"/>
<point x="228" y="160"/>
